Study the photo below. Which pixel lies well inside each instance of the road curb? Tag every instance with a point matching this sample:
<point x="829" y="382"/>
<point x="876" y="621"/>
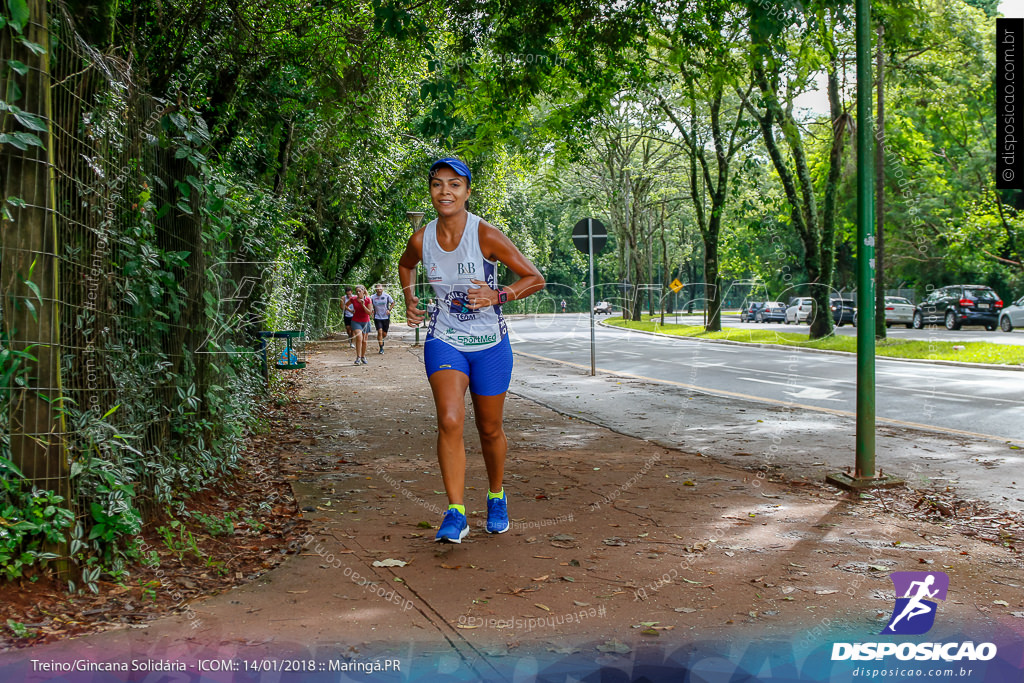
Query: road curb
<point x="953" y="363"/>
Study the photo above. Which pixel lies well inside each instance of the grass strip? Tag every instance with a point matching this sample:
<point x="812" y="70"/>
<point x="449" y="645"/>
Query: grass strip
<point x="972" y="352"/>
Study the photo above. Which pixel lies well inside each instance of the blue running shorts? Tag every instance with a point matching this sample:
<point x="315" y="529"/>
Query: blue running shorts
<point x="489" y="371"/>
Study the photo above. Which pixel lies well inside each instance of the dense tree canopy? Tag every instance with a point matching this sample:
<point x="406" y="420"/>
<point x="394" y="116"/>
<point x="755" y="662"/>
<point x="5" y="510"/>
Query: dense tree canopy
<point x="330" y="111"/>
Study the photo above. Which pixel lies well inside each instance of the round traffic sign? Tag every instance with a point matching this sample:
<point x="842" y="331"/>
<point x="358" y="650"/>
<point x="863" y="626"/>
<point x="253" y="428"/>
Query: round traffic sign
<point x="579" y="235"/>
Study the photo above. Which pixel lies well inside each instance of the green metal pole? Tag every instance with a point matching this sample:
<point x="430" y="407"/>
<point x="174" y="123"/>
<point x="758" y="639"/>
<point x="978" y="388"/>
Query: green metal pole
<point x="865" y="465"/>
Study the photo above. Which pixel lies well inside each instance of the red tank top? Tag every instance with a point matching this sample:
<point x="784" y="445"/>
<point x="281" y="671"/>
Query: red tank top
<point x="359" y="314"/>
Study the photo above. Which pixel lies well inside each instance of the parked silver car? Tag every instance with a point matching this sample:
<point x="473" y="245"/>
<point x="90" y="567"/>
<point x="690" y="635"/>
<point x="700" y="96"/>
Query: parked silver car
<point x="898" y="311"/>
<point x="799" y="310"/>
<point x="1012" y="316"/>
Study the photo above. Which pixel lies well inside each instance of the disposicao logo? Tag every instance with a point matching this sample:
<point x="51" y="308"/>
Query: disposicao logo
<point x="914" y="614"/>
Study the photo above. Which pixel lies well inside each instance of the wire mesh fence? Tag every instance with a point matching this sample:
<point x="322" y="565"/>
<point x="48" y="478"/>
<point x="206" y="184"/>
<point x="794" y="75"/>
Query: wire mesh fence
<point x="131" y="307"/>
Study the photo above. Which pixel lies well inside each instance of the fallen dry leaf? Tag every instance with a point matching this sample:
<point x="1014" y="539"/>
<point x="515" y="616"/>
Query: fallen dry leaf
<point x="390" y="563"/>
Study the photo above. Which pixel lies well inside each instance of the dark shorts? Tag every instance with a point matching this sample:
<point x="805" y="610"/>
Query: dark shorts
<point x="489" y="371"/>
<point x="348" y="321"/>
<point x="382" y="324"/>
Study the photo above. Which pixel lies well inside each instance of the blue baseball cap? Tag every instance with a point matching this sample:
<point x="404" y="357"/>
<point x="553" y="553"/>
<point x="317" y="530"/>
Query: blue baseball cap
<point x="456" y="165"/>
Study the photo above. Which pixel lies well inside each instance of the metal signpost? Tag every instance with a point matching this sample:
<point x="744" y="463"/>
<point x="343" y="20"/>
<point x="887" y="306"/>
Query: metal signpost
<point x="589" y="237"/>
<point x="864" y="467"/>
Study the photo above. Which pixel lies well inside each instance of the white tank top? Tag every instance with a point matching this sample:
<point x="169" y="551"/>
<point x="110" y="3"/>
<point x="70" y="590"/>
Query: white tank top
<point x="451" y="274"/>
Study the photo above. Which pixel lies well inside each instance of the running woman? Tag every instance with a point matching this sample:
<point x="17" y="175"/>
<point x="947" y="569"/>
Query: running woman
<point x="361" y="310"/>
<point x="382" y="305"/>
<point x="346" y="305"/>
<point x="467" y="343"/>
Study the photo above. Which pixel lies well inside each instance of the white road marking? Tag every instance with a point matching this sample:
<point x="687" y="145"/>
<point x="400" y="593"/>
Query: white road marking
<point x="813" y="394"/>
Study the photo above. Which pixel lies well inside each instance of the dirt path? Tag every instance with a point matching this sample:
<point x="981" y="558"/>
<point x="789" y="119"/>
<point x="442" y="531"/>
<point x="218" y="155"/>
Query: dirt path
<point x="618" y="547"/>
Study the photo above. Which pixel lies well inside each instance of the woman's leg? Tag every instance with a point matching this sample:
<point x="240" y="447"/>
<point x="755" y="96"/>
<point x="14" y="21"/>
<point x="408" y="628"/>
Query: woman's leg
<point x="361" y="344"/>
<point x="355" y="339"/>
<point x="490" y="411"/>
<point x="449" y="389"/>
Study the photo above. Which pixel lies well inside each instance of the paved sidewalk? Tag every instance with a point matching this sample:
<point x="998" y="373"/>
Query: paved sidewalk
<point x="619" y="547"/>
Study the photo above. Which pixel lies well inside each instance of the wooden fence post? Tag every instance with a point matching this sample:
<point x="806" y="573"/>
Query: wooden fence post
<point x="29" y="264"/>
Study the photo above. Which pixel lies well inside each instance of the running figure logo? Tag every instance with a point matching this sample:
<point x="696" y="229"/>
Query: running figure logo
<point x="913" y="613"/>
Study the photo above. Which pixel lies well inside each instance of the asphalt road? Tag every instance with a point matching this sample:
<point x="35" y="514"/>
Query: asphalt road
<point x="939" y="333"/>
<point x="966" y="401"/>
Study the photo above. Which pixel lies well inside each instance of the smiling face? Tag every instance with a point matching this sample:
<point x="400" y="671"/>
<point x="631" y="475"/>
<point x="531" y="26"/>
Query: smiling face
<point x="379" y="289"/>
<point x="448" y="192"/>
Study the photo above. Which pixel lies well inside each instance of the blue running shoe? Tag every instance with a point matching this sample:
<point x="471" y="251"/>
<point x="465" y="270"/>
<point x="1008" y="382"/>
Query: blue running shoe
<point x="497" y="514"/>
<point x="454" y="528"/>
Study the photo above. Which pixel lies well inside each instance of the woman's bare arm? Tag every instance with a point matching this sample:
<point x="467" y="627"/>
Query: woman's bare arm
<point x="496" y="246"/>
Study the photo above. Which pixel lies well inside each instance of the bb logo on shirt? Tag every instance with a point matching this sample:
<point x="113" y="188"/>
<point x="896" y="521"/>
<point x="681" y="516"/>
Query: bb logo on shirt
<point x="468" y="268"/>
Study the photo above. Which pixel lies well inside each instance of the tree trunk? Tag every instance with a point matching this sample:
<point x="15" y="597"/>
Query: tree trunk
<point x="666" y="298"/>
<point x="637" y="266"/>
<point x="816" y="229"/>
<point x="822" y="324"/>
<point x="712" y="276"/>
<point x="284" y="155"/>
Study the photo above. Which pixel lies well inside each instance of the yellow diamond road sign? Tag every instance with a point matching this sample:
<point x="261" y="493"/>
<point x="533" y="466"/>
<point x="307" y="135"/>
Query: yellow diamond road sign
<point x="676" y="285"/>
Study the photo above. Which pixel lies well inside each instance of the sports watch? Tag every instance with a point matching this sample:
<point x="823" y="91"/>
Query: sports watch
<point x="502" y="296"/>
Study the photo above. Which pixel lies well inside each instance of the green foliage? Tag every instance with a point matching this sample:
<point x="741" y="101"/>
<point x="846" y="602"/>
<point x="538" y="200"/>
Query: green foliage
<point x="179" y="540"/>
<point x="217" y="526"/>
<point x="32" y="523"/>
<point x="19" y="629"/>
<point x="149" y="587"/>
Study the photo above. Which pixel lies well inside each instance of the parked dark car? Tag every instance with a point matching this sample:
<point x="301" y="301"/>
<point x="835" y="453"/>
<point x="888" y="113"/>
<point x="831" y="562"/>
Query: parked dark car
<point x="749" y="311"/>
<point x="843" y="311"/>
<point x="958" y="305"/>
<point x="772" y="312"/>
